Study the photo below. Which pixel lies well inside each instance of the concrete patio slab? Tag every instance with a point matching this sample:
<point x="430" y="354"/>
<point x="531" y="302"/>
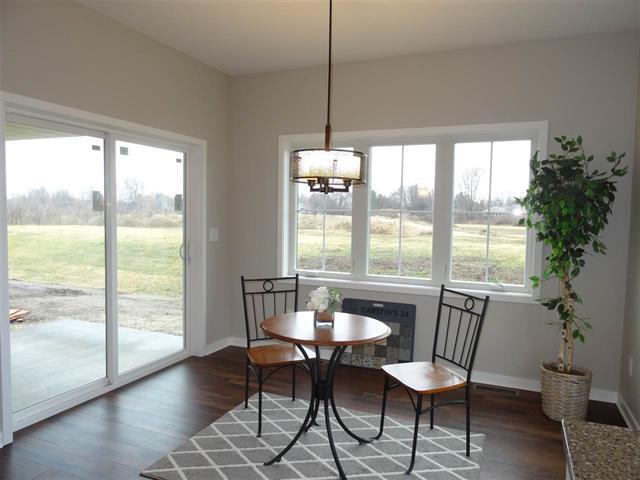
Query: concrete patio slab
<point x="52" y="358"/>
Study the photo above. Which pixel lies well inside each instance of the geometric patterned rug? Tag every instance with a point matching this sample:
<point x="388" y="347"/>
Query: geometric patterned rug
<point x="229" y="450"/>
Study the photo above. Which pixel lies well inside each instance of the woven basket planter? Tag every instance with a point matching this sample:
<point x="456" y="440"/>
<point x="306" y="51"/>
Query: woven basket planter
<point x="565" y="395"/>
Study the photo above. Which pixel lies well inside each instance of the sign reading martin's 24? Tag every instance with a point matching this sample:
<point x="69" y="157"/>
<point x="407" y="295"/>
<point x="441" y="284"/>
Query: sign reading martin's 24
<point x="398" y="347"/>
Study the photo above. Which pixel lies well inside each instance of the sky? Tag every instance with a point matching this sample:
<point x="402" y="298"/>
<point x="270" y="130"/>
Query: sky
<point x="71" y="163"/>
<point x="419" y="167"/>
<point x="509" y="172"/>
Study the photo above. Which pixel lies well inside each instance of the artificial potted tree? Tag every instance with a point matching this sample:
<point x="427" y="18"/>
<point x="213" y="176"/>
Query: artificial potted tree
<point x="567" y="204"/>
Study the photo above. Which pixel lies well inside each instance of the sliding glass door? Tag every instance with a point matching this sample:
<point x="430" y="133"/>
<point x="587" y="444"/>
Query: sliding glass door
<point x="56" y="228"/>
<point x="151" y="250"/>
<point x="97" y="249"/>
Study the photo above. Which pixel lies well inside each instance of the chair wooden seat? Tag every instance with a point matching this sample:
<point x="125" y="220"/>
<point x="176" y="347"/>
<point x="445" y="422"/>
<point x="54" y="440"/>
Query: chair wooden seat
<point x="425" y="377"/>
<point x="275" y="355"/>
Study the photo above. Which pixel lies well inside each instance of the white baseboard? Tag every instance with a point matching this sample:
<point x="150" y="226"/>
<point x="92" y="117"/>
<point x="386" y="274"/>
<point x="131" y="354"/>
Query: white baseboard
<point x="597" y="394"/>
<point x="533" y="385"/>
<point x="224" y="343"/>
<point x="506" y="381"/>
<point x="627" y="414"/>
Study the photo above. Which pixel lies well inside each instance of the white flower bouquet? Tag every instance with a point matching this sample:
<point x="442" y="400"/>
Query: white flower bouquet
<point x="324" y="302"/>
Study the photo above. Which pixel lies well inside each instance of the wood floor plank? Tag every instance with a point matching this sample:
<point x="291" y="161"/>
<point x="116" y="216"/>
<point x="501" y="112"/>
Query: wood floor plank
<point x="57" y="475"/>
<point x="114" y="436"/>
<point x="12" y="465"/>
<point x="72" y="461"/>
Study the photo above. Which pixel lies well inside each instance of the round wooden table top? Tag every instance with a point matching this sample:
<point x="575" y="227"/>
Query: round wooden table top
<point x="348" y="329"/>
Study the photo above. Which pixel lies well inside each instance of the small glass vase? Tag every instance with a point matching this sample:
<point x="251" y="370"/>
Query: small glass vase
<point x="324" y="318"/>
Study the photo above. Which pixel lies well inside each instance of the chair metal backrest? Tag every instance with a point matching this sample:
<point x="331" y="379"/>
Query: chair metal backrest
<point x="458" y="327"/>
<point x="264" y="297"/>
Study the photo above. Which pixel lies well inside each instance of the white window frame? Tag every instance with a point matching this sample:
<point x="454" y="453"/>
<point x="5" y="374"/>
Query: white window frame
<point x="444" y="138"/>
<point x="111" y="129"/>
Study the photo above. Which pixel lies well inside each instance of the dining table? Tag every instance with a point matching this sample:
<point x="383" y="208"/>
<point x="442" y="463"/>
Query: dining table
<point x="302" y="329"/>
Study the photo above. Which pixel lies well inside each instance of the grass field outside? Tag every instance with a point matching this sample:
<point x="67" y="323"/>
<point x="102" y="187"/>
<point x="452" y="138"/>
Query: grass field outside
<point x="74" y="255"/>
<point x="149" y="260"/>
<point x="506" y="252"/>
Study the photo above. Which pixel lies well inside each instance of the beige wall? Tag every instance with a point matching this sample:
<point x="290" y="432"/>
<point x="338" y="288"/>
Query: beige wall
<point x="67" y="54"/>
<point x="582" y="85"/>
<point x="630" y="385"/>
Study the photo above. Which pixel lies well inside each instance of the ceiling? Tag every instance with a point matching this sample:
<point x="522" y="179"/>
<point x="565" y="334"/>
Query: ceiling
<point x="249" y="36"/>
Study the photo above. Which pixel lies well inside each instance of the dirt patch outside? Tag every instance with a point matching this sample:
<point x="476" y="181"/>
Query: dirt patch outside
<point x="48" y="303"/>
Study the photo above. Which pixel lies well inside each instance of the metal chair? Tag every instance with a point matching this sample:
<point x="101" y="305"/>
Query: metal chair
<point x="262" y="297"/>
<point x="456" y="343"/>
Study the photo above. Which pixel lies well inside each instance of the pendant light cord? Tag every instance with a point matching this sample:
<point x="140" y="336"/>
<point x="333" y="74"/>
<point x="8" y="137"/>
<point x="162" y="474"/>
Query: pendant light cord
<point x="327" y="128"/>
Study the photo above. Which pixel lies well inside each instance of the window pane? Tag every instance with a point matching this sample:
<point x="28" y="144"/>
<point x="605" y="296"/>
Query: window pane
<point x="471" y="177"/>
<point x="419" y="168"/>
<point x="56" y="247"/>
<point x="338" y="242"/>
<point x="417" y="235"/>
<point x="386" y="173"/>
<point x="310" y="241"/>
<point x="308" y="200"/>
<point x="339" y="201"/>
<point x="384" y="243"/>
<point x="324" y="231"/>
<point x="507" y="250"/>
<point x="509" y="175"/>
<point x="488" y="212"/>
<point x="469" y="248"/>
<point x="507" y="241"/>
<point x="150" y="239"/>
<point x="403" y="179"/>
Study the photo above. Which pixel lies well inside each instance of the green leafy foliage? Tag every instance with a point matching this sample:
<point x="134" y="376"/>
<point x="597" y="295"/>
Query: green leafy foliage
<point x="568" y="204"/>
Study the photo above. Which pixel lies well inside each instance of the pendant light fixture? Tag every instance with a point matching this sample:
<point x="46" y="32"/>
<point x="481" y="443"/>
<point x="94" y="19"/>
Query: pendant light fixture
<point x="330" y="169"/>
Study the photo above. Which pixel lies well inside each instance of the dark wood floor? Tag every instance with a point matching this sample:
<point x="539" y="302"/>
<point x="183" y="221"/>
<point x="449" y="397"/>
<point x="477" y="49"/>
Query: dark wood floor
<point x="116" y="435"/>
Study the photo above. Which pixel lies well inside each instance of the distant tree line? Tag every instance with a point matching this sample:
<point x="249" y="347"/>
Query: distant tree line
<point x="333" y="201"/>
<point x="133" y="199"/>
<point x="414" y="199"/>
<point x="468" y="199"/>
<point x="503" y="210"/>
<point x="411" y="198"/>
<point x="135" y="207"/>
<point x="40" y="207"/>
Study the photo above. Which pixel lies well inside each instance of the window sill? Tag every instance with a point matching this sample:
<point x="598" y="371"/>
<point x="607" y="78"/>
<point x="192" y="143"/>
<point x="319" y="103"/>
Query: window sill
<point x="408" y="289"/>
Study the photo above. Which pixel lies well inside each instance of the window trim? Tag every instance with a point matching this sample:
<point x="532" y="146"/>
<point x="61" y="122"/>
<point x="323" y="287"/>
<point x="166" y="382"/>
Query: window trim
<point x="445" y="139"/>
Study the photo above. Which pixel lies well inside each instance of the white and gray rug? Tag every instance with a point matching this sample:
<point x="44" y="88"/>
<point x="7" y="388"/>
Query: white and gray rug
<point x="229" y="450"/>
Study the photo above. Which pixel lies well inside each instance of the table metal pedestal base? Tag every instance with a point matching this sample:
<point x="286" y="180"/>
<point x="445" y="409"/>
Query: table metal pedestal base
<point x="321" y="391"/>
